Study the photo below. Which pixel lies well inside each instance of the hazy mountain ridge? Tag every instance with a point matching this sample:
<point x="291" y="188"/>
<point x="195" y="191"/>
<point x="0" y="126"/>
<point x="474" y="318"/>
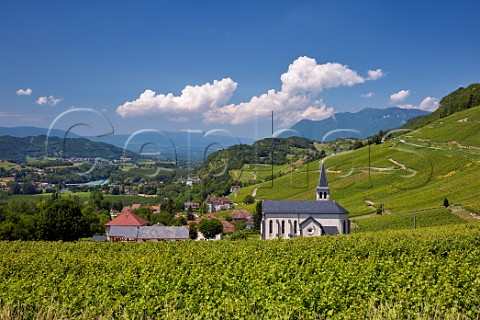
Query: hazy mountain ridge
<point x="361" y="124"/>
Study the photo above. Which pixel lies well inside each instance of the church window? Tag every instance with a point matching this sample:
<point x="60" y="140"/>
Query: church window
<point x="295" y="227"/>
<point x="271" y="226"/>
<point x="310" y="230"/>
<point x="283" y="226"/>
<point x="344" y="227"/>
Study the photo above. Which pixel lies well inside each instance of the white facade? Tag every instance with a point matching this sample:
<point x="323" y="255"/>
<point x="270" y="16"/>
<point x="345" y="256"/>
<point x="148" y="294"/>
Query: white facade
<point x="294" y="225"/>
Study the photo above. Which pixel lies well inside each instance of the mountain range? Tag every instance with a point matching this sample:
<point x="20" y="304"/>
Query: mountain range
<point x="362" y="124"/>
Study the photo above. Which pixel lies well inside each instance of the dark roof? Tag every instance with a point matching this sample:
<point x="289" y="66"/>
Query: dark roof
<point x="161" y="232"/>
<point x="127" y="232"/>
<point x="322" y="181"/>
<point x="301" y="206"/>
<point x="99" y="238"/>
<point x="330" y="229"/>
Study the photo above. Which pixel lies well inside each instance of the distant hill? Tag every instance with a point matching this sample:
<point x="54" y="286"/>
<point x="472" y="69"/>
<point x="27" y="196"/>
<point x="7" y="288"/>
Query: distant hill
<point x="362" y="124"/>
<point x="25" y="131"/>
<point x="458" y="100"/>
<point x="187" y="145"/>
<point x="17" y="149"/>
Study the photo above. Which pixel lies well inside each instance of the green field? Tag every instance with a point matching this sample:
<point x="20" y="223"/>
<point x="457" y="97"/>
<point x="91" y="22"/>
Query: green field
<point x="423" y="273"/>
<point x="415" y="171"/>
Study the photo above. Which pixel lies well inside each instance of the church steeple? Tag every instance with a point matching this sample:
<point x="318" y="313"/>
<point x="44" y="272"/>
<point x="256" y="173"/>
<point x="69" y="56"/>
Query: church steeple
<point x="323" y="191"/>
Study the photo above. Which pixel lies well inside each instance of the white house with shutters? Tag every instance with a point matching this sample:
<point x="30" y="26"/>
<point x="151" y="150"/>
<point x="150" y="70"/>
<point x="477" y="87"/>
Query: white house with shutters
<point x="295" y="218"/>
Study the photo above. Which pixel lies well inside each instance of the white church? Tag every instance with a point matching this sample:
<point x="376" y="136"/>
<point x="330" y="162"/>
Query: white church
<point x="295" y="218"/>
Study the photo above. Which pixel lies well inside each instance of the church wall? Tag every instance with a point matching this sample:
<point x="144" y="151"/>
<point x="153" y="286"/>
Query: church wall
<point x="334" y="220"/>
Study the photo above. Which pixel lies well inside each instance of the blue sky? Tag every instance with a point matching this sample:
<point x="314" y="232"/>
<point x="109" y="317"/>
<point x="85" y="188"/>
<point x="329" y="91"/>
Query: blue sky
<point x="177" y="65"/>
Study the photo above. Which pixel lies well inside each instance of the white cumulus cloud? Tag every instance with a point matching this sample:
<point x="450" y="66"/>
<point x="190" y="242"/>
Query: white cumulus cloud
<point x="50" y="100"/>
<point x="399" y="96"/>
<point x="428" y="104"/>
<point x="368" y="95"/>
<point x="193" y="100"/>
<point x="297" y="99"/>
<point x="375" y="74"/>
<point x="26" y="92"/>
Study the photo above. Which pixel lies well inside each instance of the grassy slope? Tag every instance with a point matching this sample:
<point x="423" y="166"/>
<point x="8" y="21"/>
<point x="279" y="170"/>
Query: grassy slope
<point x="442" y="160"/>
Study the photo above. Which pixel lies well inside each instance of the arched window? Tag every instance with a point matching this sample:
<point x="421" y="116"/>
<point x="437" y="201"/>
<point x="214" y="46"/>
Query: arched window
<point x="344" y="227"/>
<point x="270" y="229"/>
<point x="324" y="195"/>
<point x="283" y="226"/>
<point x="295" y="227"/>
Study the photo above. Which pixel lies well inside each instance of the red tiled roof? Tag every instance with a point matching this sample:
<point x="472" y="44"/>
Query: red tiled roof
<point x="155" y="208"/>
<point x="136" y="206"/>
<point x="127" y="219"/>
<point x="227" y="226"/>
<point x="240" y="214"/>
<point x="218" y="200"/>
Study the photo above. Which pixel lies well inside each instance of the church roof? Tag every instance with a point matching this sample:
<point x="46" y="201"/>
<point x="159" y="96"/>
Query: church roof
<point x="301" y="206"/>
<point x="322" y="182"/>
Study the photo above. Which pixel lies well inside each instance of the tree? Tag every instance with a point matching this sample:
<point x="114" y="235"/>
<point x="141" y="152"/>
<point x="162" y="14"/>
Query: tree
<point x="94" y="221"/>
<point x="210" y="228"/>
<point x="190" y="215"/>
<point x="144" y="212"/>
<point x="96" y="200"/>
<point x="357" y="144"/>
<point x="61" y="219"/>
<point x="193" y="230"/>
<point x="249" y="199"/>
<point x="168" y="206"/>
<point x="257" y="216"/>
<point x="240" y="225"/>
<point x="446" y="204"/>
<point x="203" y="208"/>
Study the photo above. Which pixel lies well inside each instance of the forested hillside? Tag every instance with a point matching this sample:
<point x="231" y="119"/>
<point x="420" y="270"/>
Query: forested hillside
<point x="458" y="100"/>
<point x="17" y="150"/>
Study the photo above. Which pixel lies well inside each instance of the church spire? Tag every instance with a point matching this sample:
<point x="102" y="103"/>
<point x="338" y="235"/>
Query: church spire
<point x="323" y="191"/>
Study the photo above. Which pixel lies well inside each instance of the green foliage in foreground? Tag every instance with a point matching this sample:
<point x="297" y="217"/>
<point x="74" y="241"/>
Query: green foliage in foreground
<point x="410" y="273"/>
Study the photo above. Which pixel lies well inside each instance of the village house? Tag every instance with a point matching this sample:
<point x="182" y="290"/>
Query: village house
<point x="227" y="226"/>
<point x="194" y="205"/>
<point x="240" y="215"/>
<point x="294" y="218"/>
<point x="125" y="219"/>
<point x="128" y="227"/>
<point x="191" y="181"/>
<point x="147" y="233"/>
<point x="234" y="188"/>
<point x="216" y="204"/>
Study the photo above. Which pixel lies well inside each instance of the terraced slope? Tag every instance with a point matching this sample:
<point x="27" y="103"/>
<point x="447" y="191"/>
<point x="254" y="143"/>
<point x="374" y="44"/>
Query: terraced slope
<point x="412" y="172"/>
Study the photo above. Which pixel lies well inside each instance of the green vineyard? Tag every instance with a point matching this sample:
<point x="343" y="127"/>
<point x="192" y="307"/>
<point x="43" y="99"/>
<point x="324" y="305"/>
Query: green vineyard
<point x="426" y="273"/>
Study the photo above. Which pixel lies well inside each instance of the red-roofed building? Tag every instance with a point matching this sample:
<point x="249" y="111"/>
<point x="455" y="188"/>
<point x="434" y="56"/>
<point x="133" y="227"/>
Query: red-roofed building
<point x="155" y="209"/>
<point x="227" y="226"/>
<point x="136" y="206"/>
<point x="126" y="219"/>
<point x="218" y="203"/>
<point x="240" y="215"/>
